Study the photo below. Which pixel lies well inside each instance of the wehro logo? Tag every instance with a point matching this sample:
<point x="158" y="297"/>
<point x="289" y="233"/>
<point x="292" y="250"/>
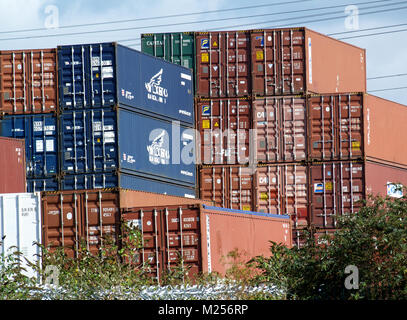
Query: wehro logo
<point x="159" y="149"/>
<point x="155" y="91"/>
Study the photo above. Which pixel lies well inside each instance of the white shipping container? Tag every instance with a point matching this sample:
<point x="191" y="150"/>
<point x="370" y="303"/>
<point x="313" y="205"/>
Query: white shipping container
<point x="20" y="226"/>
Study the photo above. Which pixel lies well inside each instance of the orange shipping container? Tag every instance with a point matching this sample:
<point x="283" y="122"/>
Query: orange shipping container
<point x="204" y="236"/>
<point x="356" y="126"/>
<point x="298" y="60"/>
<point x="28" y="81"/>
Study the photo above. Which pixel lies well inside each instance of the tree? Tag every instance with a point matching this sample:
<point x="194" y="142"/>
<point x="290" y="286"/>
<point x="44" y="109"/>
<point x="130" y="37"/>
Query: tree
<point x="366" y="258"/>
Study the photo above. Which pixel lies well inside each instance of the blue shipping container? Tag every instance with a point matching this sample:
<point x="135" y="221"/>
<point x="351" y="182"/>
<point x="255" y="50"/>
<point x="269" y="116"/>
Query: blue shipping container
<point x="110" y="139"/>
<point x="106" y="74"/>
<point x="126" y="181"/>
<point x="41" y="141"/>
<point x="36" y="185"/>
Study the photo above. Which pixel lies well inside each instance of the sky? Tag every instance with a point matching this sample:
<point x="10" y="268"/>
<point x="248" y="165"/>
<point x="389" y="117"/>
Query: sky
<point x="35" y="24"/>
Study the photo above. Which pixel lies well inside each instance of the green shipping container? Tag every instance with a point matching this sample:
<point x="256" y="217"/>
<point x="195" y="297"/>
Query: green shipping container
<point x="177" y="47"/>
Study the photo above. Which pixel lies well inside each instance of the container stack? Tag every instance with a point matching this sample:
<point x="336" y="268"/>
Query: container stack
<point x="125" y="118"/>
<point x="100" y="116"/>
<point x="28" y="110"/>
<point x="285" y="122"/>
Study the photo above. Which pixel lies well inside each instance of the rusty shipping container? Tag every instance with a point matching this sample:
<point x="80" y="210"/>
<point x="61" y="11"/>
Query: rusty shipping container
<point x="356" y="126"/>
<point x="203" y="236"/>
<point x="28" y="81"/>
<point x="298" y="60"/>
<point x="276" y="189"/>
<point x="240" y="130"/>
<point x="313" y="194"/>
<point x="337" y="187"/>
<point x="12" y="165"/>
<point x="69" y="217"/>
<point x="223" y="64"/>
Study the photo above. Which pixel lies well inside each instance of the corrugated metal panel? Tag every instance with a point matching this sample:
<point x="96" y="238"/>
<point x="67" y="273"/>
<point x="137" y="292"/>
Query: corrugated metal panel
<point x="28" y="81"/>
<point x="223" y="64"/>
<point x="90" y="75"/>
<point x="196" y="233"/>
<point x="46" y="184"/>
<point x="102" y="141"/>
<point x="281" y="129"/>
<point x="12" y="165"/>
<point x="41" y="142"/>
<point x="176" y="47"/>
<point x="224" y="125"/>
<point x="20" y="226"/>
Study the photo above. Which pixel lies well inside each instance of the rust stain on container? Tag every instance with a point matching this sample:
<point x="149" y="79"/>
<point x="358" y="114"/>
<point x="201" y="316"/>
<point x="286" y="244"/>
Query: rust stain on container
<point x="28" y="81"/>
<point x="198" y="234"/>
<point x="12" y="165"/>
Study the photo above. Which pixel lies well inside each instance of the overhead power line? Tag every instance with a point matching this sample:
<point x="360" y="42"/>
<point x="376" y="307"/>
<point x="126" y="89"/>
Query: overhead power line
<point x="168" y="16"/>
<point x="373" y="34"/>
<point x="203" y="21"/>
<point x="387" y="89"/>
<point x="388" y="76"/>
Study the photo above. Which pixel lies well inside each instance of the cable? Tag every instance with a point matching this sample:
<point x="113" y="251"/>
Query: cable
<point x="387" y="89"/>
<point x="309" y="21"/>
<point x="200" y="22"/>
<point x="374" y="34"/>
<point x="388" y="76"/>
<point x="167" y="16"/>
<point x="368" y="29"/>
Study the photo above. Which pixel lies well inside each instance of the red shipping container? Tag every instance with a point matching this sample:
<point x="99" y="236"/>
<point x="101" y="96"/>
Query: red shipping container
<point x="12" y="165"/>
<point x="71" y="216"/>
<point x="28" y="81"/>
<point x="336" y="188"/>
<point x="223" y="64"/>
<point x="224" y="125"/>
<point x="227" y="186"/>
<point x="203" y="236"/>
<point x="280" y="124"/>
<point x="297" y="60"/>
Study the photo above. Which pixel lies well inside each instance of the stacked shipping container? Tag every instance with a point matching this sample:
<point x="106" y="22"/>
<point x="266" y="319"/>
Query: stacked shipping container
<point x="79" y="116"/>
<point x="286" y="126"/>
<point x="28" y="107"/>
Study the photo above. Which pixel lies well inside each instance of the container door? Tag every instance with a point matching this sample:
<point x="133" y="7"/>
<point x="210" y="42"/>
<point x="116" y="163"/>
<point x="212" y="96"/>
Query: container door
<point x="351" y="187"/>
<point x="295" y="193"/>
<point x="150" y="254"/>
<point x="14" y="74"/>
<point x="102" y="126"/>
<point x="224" y="126"/>
<point x="293" y="126"/>
<point x="237" y="64"/>
<point x="48" y="184"/>
<point x="322" y="133"/>
<point x="100" y="219"/>
<point x="154" y="45"/>
<point x="43" y="81"/>
<point x="73" y="62"/>
<point x="181" y="230"/>
<point x="102" y="74"/>
<point x="240" y="189"/>
<point x="213" y="185"/>
<point x="74" y="142"/>
<point x="266" y="121"/>
<point x="264" y="58"/>
<point x="292" y="68"/>
<point x="350" y="126"/>
<point x="210" y="55"/>
<point x="61" y="216"/>
<point x="89" y="181"/>
<point x="268" y="190"/>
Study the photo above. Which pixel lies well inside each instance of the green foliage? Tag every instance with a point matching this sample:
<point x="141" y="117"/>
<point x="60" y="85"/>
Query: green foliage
<point x="374" y="240"/>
